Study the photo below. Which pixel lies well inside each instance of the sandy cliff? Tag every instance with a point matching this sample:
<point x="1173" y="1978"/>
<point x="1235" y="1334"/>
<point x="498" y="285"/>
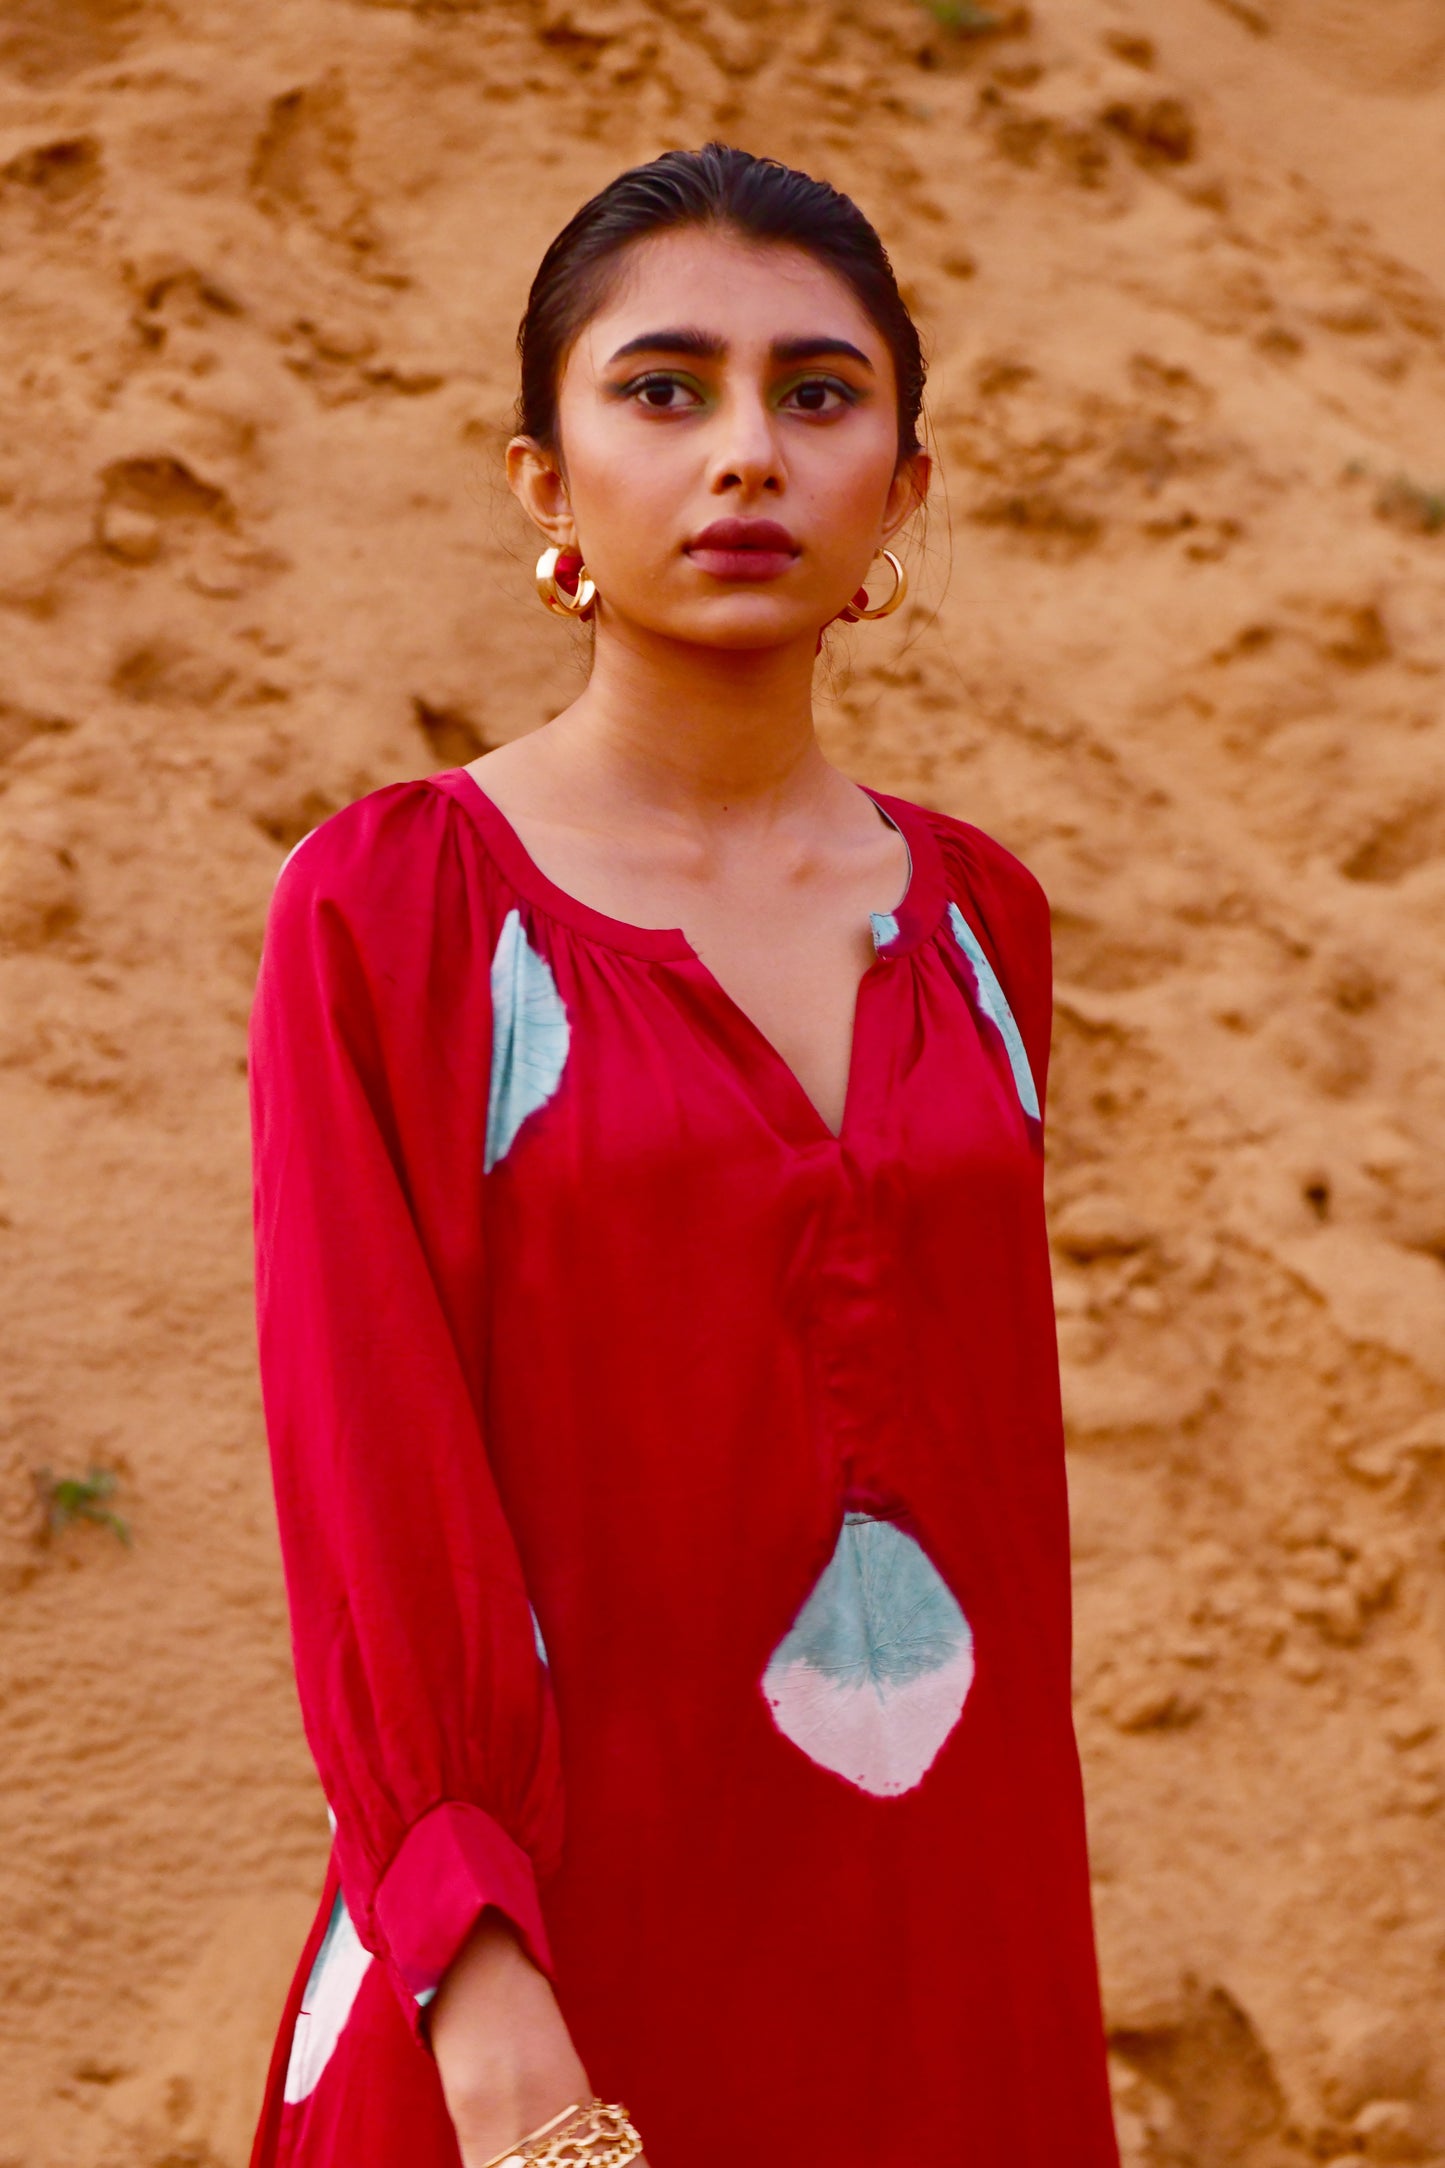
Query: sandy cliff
<point x="1180" y="640"/>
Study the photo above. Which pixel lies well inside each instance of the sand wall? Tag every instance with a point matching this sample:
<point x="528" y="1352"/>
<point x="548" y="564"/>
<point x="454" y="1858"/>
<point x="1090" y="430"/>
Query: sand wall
<point x="1180" y="640"/>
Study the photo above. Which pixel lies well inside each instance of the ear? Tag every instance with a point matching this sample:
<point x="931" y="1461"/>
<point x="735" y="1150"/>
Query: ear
<point x="907" y="491"/>
<point x="535" y="478"/>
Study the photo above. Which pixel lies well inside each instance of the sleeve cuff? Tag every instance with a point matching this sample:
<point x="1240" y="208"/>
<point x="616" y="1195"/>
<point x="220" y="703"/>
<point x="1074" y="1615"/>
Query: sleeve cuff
<point x="453" y="1864"/>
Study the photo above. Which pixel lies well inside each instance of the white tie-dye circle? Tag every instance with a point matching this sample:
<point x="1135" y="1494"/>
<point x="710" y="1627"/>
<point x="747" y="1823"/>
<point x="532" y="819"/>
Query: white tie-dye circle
<point x="874" y="1672"/>
<point x="530" y="1037"/>
<point x="993" y="1001"/>
<point x="336" y="1976"/>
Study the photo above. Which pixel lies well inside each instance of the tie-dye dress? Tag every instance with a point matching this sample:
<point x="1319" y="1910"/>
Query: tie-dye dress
<point x="672" y="1502"/>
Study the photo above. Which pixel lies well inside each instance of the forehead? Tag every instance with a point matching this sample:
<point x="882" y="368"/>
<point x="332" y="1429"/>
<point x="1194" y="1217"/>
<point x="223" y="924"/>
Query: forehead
<point x="749" y="293"/>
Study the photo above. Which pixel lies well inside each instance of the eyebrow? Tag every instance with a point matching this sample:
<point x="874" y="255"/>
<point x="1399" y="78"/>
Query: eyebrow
<point x="709" y="346"/>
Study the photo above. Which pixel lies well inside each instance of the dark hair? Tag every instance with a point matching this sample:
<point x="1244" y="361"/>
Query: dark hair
<point x="757" y="198"/>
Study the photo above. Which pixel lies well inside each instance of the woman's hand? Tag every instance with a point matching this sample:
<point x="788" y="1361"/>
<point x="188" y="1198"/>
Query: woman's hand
<point x="506" y="2058"/>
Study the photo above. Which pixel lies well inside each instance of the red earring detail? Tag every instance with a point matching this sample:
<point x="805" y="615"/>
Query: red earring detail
<point x="564" y="584"/>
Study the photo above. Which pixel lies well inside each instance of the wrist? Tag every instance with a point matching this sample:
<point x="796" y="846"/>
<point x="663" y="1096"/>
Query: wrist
<point x="588" y="2134"/>
<point x="503" y="2051"/>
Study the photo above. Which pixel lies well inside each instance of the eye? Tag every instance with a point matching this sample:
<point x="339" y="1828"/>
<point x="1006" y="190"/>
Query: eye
<point x="820" y="395"/>
<point x="662" y="394"/>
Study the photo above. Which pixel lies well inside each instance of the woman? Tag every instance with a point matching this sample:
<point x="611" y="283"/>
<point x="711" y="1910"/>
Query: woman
<point x="655" y="1320"/>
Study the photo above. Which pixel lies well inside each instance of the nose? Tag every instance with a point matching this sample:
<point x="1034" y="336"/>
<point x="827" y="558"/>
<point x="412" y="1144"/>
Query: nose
<point x="746" y="456"/>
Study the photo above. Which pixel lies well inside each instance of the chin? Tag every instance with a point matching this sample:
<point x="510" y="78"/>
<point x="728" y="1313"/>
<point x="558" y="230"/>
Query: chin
<point x="740" y="626"/>
<point x="739" y="640"/>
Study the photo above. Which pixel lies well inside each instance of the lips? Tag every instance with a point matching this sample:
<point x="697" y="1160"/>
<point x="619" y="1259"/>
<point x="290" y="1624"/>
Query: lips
<point x="743" y="549"/>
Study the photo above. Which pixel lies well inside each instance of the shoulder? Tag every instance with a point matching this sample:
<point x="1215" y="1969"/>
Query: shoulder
<point x="388" y="887"/>
<point x="404" y="853"/>
<point x="1006" y="909"/>
<point x="1007" y="912"/>
<point x="995" y="890"/>
<point x="981" y="864"/>
<point x="363" y="857"/>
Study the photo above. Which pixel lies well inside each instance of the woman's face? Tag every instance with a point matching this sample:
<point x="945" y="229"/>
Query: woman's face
<point x="728" y="428"/>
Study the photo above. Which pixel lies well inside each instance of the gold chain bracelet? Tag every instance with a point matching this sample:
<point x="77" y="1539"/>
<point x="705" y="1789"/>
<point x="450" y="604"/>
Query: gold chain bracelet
<point x="594" y="2136"/>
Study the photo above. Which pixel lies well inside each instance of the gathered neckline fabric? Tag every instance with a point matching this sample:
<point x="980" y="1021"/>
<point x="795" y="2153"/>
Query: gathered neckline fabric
<point x="917" y="914"/>
<point x="780" y="1091"/>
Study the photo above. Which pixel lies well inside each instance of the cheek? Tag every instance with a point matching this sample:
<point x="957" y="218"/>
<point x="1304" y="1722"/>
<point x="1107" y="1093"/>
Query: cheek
<point x="627" y="494"/>
<point x="850" y="495"/>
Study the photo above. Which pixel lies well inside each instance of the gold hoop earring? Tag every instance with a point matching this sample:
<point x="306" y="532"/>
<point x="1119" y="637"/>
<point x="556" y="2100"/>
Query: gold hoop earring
<point x="577" y="601"/>
<point x="853" y="611"/>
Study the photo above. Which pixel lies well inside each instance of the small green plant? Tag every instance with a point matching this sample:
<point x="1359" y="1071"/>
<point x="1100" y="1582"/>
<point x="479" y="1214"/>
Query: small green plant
<point x="1408" y="504"/>
<point x="67" y="1498"/>
<point x="964" y="17"/>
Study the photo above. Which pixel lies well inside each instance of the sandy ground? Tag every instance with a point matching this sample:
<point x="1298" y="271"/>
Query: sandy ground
<point x="1180" y="640"/>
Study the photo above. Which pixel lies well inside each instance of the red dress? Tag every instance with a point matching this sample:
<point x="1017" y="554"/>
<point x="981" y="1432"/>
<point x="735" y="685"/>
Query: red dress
<point x="672" y="1502"/>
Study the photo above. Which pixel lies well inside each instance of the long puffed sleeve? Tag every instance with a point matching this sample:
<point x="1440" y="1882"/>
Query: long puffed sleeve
<point x="424" y="1697"/>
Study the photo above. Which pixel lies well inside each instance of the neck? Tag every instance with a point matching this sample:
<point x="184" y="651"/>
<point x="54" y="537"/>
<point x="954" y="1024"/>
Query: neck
<point x="693" y="730"/>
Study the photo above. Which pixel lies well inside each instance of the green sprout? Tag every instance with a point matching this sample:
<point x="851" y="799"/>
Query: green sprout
<point x="964" y="17"/>
<point x="1408" y="504"/>
<point x="68" y="1498"/>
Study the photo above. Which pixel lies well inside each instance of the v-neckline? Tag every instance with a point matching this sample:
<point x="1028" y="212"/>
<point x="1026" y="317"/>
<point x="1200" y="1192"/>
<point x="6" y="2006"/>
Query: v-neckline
<point x="911" y="921"/>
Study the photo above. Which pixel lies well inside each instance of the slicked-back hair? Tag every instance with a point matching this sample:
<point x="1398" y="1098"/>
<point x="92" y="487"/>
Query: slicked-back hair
<point x="729" y="190"/>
